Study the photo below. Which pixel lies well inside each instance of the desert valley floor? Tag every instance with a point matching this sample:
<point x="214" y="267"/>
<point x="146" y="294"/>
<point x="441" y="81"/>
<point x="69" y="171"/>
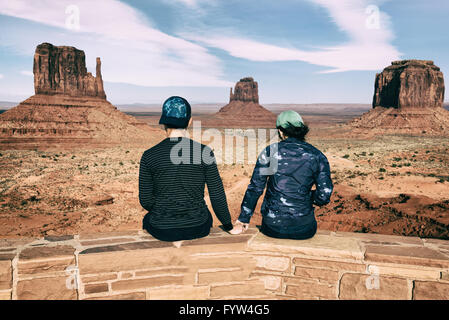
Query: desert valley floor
<point x="383" y="184"/>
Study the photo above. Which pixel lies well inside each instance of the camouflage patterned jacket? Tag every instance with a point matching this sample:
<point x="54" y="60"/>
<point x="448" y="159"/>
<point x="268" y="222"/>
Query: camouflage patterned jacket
<point x="291" y="167"/>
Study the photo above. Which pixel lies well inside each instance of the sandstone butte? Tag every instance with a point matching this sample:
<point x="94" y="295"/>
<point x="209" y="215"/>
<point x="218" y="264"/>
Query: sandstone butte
<point x="69" y="104"/>
<point x="243" y="109"/>
<point x="133" y="265"/>
<point x="408" y="99"/>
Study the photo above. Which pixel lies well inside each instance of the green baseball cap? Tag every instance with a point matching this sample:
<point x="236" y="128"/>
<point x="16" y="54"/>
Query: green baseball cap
<point x="289" y="117"/>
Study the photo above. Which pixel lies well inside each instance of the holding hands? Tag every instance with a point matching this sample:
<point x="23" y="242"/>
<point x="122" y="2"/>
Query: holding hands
<point x="239" y="227"/>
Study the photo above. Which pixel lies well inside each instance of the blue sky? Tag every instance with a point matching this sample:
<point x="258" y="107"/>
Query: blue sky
<point x="300" y="51"/>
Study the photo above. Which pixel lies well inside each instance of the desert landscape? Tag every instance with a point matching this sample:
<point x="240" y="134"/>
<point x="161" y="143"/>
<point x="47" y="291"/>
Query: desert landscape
<point x="69" y="160"/>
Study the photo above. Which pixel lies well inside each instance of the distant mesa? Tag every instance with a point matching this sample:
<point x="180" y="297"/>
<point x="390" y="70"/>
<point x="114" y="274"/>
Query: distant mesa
<point x="62" y="70"/>
<point x="243" y="109"/>
<point x="246" y="90"/>
<point x="409" y="84"/>
<point x="69" y="105"/>
<point x="408" y="99"/>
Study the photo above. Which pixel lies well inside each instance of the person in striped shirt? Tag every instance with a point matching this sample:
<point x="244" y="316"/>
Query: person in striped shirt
<point x="172" y="178"/>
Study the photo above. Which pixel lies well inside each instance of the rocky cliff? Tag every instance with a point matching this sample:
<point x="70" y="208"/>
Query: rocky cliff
<point x="409" y="84"/>
<point x="246" y="90"/>
<point x="408" y="99"/>
<point x="62" y="70"/>
<point x="69" y="106"/>
<point x="243" y="109"/>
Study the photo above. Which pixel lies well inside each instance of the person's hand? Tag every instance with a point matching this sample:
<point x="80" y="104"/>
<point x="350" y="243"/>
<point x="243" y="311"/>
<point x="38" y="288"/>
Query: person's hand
<point x="239" y="227"/>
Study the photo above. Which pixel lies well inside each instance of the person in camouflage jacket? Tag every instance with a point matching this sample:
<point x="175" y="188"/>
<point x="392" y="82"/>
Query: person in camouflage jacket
<point x="291" y="168"/>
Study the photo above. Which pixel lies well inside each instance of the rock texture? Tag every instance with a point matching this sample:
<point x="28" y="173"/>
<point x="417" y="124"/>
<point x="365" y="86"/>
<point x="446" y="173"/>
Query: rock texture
<point x="246" y="90"/>
<point x="62" y="70"/>
<point x="409" y="84"/>
<point x="408" y="99"/>
<point x="69" y="105"/>
<point x="243" y="109"/>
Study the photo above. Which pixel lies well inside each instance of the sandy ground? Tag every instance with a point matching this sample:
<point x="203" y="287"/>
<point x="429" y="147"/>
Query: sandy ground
<point x="390" y="185"/>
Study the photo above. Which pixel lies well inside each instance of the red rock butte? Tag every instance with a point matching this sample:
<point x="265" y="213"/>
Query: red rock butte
<point x="408" y="99"/>
<point x="69" y="105"/>
<point x="243" y="109"/>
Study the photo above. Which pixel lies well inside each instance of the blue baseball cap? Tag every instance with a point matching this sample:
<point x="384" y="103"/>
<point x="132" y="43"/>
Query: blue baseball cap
<point x="176" y="111"/>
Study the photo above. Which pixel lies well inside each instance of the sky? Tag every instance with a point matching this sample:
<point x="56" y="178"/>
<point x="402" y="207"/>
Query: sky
<point x="299" y="51"/>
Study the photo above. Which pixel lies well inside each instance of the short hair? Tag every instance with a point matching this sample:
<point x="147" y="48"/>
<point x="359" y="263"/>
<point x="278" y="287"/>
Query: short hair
<point x="171" y="126"/>
<point x="295" y="132"/>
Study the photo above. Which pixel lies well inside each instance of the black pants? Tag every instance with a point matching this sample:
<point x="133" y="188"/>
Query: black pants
<point x="176" y="234"/>
<point x="306" y="232"/>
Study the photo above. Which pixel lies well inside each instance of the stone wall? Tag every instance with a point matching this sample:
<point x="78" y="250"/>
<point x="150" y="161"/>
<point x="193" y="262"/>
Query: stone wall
<point x="133" y="265"/>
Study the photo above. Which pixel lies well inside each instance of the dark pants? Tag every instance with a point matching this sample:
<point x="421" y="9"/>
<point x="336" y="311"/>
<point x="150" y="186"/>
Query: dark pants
<point x="176" y="234"/>
<point x="305" y="232"/>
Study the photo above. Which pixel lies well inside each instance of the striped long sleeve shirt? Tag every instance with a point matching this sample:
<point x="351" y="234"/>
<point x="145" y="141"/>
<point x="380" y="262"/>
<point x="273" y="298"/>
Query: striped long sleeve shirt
<point x="172" y="177"/>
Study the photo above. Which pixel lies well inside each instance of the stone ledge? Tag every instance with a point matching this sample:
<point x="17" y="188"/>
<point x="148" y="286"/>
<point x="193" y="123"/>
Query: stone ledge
<point x="415" y="255"/>
<point x="320" y="245"/>
<point x="134" y="265"/>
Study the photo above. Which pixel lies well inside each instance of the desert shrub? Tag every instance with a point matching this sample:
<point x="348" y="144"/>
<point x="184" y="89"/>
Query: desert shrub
<point x="346" y="156"/>
<point x="382" y="170"/>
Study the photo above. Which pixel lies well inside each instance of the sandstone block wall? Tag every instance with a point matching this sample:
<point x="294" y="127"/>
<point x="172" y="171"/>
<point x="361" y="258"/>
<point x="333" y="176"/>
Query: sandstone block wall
<point x="134" y="265"/>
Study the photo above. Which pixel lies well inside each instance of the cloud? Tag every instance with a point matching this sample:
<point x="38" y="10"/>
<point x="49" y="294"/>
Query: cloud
<point x="195" y="4"/>
<point x="369" y="47"/>
<point x="26" y="73"/>
<point x="189" y="3"/>
<point x="1" y="76"/>
<point x="132" y="50"/>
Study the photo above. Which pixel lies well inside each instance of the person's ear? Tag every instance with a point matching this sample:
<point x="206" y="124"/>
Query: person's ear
<point x="281" y="134"/>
